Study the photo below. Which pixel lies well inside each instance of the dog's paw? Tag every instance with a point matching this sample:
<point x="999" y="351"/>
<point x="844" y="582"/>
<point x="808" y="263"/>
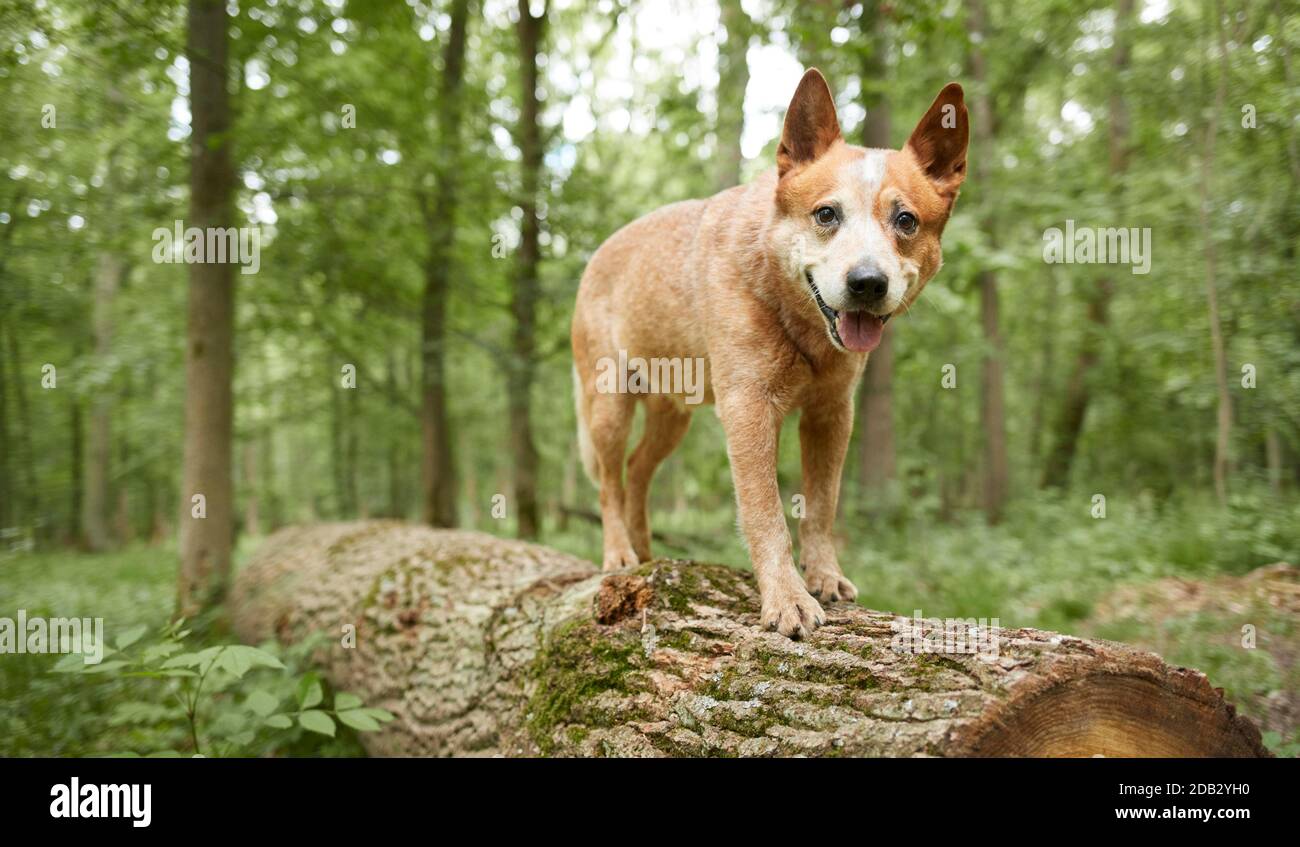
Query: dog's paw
<point x="829" y="586"/>
<point x="619" y="558"/>
<point x="792" y="611"/>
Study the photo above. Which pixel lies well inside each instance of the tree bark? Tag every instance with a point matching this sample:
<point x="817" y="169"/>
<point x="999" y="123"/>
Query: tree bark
<point x="6" y="479"/>
<point x="438" y="469"/>
<point x="76" y="455"/>
<point x="527" y="287"/>
<point x="1074" y="409"/>
<point x="205" y="542"/>
<point x="733" y="79"/>
<point x="996" y="474"/>
<point x="878" y="460"/>
<point x="1223" y="418"/>
<point x="252" y="480"/>
<point x="482" y="645"/>
<point x="109" y="270"/>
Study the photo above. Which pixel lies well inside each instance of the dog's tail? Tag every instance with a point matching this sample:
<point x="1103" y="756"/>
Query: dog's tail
<point x="586" y="448"/>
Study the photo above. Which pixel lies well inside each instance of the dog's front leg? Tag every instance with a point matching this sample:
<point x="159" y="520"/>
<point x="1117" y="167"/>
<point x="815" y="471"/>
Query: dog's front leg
<point x="753" y="424"/>
<point x="824" y="432"/>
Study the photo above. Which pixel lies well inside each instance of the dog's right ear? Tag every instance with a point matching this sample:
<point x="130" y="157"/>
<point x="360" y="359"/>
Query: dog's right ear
<point x="811" y="126"/>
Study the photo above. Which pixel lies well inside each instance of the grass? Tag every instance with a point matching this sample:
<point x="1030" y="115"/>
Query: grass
<point x="1050" y="565"/>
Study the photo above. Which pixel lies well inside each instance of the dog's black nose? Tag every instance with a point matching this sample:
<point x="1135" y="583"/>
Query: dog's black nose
<point x="867" y="281"/>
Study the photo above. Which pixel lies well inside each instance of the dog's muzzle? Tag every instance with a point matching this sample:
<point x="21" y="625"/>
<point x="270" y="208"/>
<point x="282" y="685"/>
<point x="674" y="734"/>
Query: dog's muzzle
<point x="855" y="330"/>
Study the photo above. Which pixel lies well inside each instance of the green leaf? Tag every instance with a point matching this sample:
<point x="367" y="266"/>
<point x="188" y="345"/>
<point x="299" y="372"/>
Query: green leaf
<point x="358" y="720"/>
<point x="105" y="667"/>
<point x="71" y="663"/>
<point x="127" y="638"/>
<point x="381" y="715"/>
<point x="309" y="691"/>
<point x="279" y="721"/>
<point x="314" y="720"/>
<point x="262" y="702"/>
<point x="157" y="652"/>
<point x="344" y="701"/>
<point x="190" y="660"/>
<point x="238" y="659"/>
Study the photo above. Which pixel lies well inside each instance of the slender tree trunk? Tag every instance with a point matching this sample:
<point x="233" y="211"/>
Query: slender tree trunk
<point x="1273" y="457"/>
<point x="992" y="404"/>
<point x="569" y="487"/>
<point x="206" y="536"/>
<point x="5" y="447"/>
<point x="1223" y="428"/>
<point x="6" y="478"/>
<point x="351" y="453"/>
<point x="396" y="507"/>
<point x="76" y="455"/>
<point x="338" y="454"/>
<point x="733" y="79"/>
<point x="877" y="462"/>
<point x="109" y="270"/>
<point x="29" y="499"/>
<point x="1046" y="367"/>
<point x="1078" y="395"/>
<point x="438" y="471"/>
<point x="252" y="502"/>
<point x="527" y="287"/>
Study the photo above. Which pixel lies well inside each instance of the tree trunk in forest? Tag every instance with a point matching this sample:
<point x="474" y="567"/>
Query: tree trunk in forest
<point x="1223" y="420"/>
<point x="109" y="270"/>
<point x="6" y="480"/>
<point x="527" y="286"/>
<point x="206" y="535"/>
<point x="1046" y="367"/>
<point x="438" y="469"/>
<point x="997" y="475"/>
<point x="1273" y="459"/>
<point x="31" y="511"/>
<point x="252" y="502"/>
<point x="877" y="462"/>
<point x="733" y="79"/>
<point x="482" y="645"/>
<point x="75" y="457"/>
<point x="1074" y="409"/>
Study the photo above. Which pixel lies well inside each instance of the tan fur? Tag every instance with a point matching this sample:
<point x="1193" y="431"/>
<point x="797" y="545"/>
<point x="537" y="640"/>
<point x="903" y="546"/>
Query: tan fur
<point x="722" y="280"/>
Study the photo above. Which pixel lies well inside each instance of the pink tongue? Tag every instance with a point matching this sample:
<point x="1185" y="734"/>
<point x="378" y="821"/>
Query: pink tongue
<point x="860" y="331"/>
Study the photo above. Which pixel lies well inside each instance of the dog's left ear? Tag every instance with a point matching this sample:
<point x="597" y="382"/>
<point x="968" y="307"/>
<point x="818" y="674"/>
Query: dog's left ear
<point x="939" y="141"/>
<point x="811" y="126"/>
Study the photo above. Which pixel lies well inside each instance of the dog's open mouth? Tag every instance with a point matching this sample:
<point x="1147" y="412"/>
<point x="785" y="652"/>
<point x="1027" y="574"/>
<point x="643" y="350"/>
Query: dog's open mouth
<point x="858" y="331"/>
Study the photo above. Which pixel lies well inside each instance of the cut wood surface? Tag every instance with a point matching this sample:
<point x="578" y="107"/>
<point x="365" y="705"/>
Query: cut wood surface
<point x="488" y="646"/>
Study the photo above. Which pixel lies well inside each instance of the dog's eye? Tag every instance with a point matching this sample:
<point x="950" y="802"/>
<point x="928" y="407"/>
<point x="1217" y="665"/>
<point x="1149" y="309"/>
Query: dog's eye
<point x="906" y="223"/>
<point x="826" y="216"/>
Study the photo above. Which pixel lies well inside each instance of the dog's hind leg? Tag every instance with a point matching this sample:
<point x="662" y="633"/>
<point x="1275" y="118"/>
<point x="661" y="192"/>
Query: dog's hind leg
<point x="666" y="422"/>
<point x="609" y="423"/>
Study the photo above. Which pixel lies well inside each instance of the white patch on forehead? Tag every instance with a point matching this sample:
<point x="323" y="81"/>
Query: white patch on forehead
<point x="865" y="175"/>
<point x="873" y="168"/>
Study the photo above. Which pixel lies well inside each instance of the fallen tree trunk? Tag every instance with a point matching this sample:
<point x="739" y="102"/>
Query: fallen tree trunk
<point x="483" y="645"/>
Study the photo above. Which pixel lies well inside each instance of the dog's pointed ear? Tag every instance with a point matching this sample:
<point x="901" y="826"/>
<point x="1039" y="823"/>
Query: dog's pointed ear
<point x="939" y="141"/>
<point x="811" y="125"/>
